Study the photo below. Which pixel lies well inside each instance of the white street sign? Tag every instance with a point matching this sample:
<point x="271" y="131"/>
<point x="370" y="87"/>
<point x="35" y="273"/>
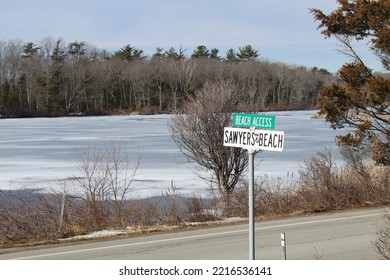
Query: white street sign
<point x="253" y="139"/>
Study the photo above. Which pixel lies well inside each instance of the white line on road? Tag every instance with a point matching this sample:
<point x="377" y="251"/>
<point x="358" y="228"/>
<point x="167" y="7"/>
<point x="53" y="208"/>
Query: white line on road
<point x="197" y="236"/>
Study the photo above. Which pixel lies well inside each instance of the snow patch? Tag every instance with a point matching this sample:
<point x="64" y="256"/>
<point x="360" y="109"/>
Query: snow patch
<point x="135" y="230"/>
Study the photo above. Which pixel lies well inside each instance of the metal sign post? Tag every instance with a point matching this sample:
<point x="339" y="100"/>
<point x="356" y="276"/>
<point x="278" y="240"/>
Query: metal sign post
<point x="248" y="136"/>
<point x="251" y="206"/>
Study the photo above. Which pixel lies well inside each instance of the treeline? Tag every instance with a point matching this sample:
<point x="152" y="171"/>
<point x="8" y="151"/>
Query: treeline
<point x="54" y="78"/>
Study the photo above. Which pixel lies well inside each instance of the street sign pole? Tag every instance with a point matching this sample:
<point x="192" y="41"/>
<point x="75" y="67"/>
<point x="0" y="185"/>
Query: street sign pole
<point x="252" y="132"/>
<point x="251" y="206"/>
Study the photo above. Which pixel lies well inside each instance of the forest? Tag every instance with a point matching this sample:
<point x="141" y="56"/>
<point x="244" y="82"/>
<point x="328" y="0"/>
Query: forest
<point x="55" y="78"/>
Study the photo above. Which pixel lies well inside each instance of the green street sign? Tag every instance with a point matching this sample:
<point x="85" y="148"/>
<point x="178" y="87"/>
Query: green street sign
<point x="254" y="121"/>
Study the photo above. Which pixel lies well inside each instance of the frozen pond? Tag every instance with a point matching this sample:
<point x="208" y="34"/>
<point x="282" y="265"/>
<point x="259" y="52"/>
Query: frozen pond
<point x="37" y="152"/>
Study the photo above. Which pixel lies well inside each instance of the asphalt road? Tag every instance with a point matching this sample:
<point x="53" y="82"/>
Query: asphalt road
<point x="333" y="236"/>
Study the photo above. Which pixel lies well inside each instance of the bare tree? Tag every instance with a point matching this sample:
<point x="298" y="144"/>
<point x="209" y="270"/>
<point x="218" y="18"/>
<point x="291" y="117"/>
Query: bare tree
<point x="198" y="131"/>
<point x="121" y="174"/>
<point x="105" y="184"/>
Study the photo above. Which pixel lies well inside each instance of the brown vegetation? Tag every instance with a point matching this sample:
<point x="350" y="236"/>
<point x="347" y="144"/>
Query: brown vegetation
<point x="323" y="186"/>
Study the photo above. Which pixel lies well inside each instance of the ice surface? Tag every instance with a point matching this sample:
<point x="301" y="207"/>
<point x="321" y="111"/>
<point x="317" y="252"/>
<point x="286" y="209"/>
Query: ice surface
<point x="38" y="152"/>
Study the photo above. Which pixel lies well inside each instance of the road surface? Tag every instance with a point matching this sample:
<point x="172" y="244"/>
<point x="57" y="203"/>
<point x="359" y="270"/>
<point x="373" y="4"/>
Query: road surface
<point x="331" y="236"/>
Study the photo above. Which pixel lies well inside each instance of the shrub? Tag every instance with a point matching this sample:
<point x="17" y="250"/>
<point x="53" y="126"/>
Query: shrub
<point x="382" y="243"/>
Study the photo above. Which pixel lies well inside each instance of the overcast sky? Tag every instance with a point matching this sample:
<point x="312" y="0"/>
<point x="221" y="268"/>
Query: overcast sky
<point x="281" y="30"/>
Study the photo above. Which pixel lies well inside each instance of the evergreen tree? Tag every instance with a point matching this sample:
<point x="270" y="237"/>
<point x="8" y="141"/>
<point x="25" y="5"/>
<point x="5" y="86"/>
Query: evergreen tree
<point x="173" y="54"/>
<point x="77" y="49"/>
<point x="231" y="56"/>
<point x="53" y="83"/>
<point x="362" y="100"/>
<point x="129" y="53"/>
<point x="247" y="53"/>
<point x="159" y="54"/>
<point x="58" y="54"/>
<point x="214" y="54"/>
<point x="29" y="50"/>
<point x="201" y="51"/>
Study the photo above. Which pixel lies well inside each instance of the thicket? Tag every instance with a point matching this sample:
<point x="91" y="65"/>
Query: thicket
<point x="56" y="78"/>
<point x="323" y="185"/>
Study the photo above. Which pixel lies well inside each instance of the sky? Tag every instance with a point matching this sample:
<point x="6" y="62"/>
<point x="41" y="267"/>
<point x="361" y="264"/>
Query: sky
<point x="281" y="30"/>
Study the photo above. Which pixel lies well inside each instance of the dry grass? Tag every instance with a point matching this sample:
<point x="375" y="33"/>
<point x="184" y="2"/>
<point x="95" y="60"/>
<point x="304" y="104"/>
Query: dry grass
<point x="34" y="216"/>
